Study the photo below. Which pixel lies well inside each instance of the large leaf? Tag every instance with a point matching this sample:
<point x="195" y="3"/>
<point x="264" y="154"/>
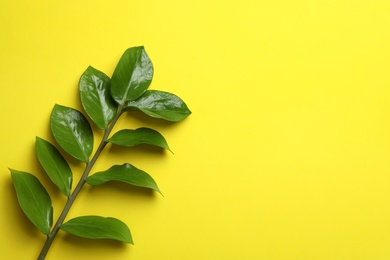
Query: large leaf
<point x="142" y="135"/>
<point x="33" y="199"/>
<point x="132" y="75"/>
<point x="55" y="165"/>
<point x="96" y="98"/>
<point x="126" y="173"/>
<point x="161" y="104"/>
<point x="72" y="132"/>
<point x="96" y="227"/>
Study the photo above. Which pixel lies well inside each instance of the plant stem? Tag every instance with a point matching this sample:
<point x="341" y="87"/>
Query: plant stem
<point x="76" y="191"/>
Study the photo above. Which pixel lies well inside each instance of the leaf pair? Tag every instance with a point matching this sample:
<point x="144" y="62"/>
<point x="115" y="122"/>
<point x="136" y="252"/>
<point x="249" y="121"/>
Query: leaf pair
<point x="101" y="95"/>
<point x="32" y="196"/>
<point x="40" y="212"/>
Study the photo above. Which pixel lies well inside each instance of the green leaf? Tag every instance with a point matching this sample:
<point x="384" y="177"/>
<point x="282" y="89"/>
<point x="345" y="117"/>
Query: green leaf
<point x="33" y="199"/>
<point x="142" y="135"/>
<point x="161" y="104"/>
<point x="96" y="227"/>
<point x="132" y="75"/>
<point x="96" y="98"/>
<point x="55" y="165"/>
<point x="72" y="132"/>
<point x="126" y="173"/>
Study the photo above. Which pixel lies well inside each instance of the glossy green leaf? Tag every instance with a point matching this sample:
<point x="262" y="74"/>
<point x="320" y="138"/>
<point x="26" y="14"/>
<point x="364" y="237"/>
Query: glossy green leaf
<point x="132" y="75"/>
<point x="96" y="227"/>
<point x="55" y="165"/>
<point x="33" y="199"/>
<point x="126" y="173"/>
<point x="161" y="104"/>
<point x="72" y="132"/>
<point x="96" y="98"/>
<point x="142" y="135"/>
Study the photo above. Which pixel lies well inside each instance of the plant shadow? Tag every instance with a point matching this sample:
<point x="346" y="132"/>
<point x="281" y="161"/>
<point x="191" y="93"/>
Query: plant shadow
<point x="123" y="188"/>
<point x="138" y="150"/>
<point x="138" y="116"/>
<point x="92" y="243"/>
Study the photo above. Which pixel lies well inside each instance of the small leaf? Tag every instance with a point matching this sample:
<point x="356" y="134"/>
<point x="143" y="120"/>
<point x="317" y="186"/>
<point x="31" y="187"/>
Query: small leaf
<point x="96" y="98"/>
<point x="72" y="132"/>
<point x="33" y="199"/>
<point x="96" y="227"/>
<point x="126" y="173"/>
<point x="55" y="165"/>
<point x="132" y="75"/>
<point x="161" y="104"/>
<point x="142" y="135"/>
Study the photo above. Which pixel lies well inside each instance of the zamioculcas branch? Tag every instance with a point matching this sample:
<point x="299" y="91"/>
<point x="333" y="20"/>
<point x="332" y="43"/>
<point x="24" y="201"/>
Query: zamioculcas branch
<point x="104" y="100"/>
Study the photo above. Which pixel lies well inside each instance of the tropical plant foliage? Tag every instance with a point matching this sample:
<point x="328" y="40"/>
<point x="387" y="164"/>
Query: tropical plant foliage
<point x="104" y="100"/>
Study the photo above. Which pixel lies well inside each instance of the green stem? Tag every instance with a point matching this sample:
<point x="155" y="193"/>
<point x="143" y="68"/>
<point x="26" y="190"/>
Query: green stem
<point x="76" y="191"/>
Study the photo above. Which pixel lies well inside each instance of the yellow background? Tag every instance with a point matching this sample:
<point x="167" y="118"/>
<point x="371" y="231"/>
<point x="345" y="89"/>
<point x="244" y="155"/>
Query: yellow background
<point x="286" y="154"/>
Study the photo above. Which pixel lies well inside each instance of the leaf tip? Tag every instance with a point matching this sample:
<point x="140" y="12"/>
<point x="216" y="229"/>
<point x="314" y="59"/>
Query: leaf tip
<point x="13" y="171"/>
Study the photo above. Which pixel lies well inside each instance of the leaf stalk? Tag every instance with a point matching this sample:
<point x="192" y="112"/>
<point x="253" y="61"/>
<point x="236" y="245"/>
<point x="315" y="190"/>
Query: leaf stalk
<point x="51" y="236"/>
